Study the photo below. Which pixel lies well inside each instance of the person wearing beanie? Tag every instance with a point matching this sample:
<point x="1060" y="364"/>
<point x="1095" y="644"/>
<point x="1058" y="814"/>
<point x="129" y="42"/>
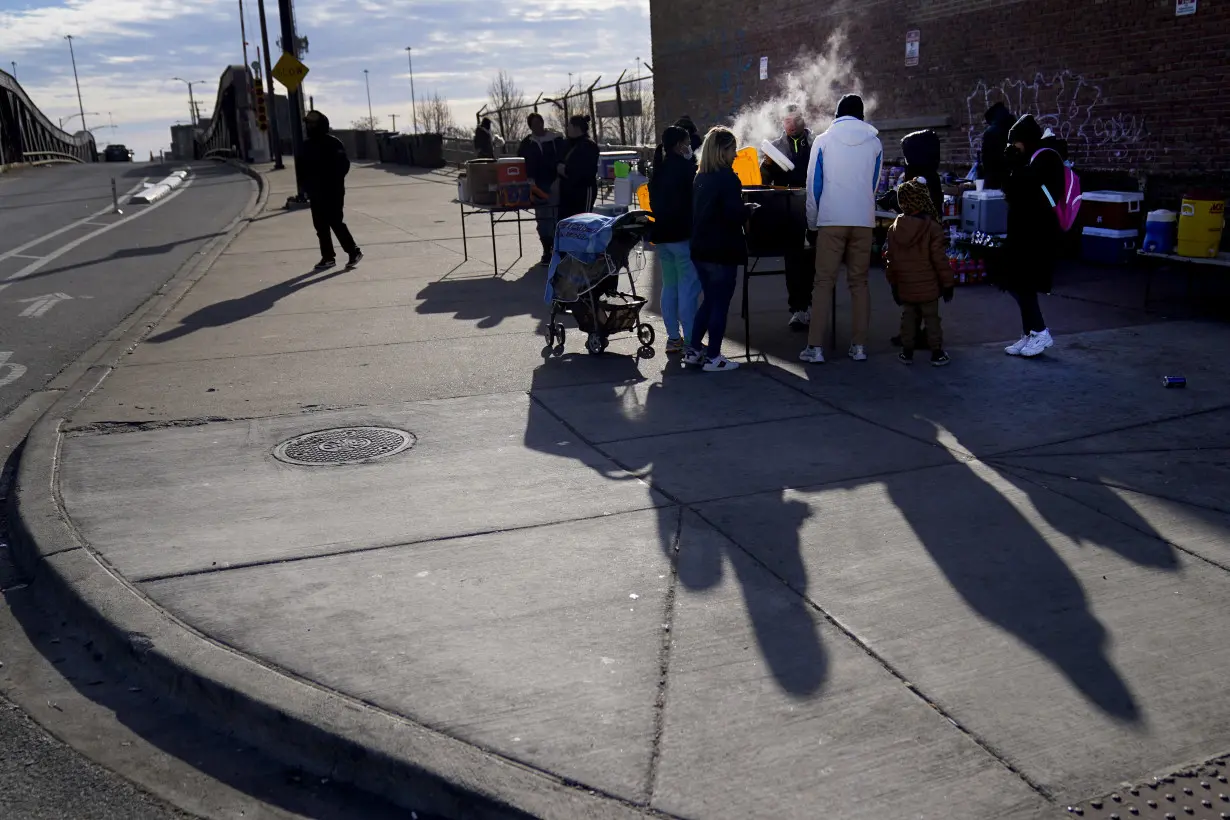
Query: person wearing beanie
<point x="670" y="197"/>
<point x="842" y="178"/>
<point x="685" y="122"/>
<point x="1027" y="265"/>
<point x="795" y="145"/>
<point x="323" y="166"/>
<point x="578" y="170"/>
<point x="992" y="166"/>
<point x="918" y="270"/>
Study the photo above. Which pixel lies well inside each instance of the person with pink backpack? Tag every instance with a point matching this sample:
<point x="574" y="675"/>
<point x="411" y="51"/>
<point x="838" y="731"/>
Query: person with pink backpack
<point x="1043" y="199"/>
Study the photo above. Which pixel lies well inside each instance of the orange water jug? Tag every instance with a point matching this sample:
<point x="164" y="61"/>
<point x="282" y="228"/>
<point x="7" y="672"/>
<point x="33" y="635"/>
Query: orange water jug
<point x="747" y="166"/>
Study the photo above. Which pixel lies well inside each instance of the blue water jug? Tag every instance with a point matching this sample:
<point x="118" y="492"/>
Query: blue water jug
<point x="1160" y="227"/>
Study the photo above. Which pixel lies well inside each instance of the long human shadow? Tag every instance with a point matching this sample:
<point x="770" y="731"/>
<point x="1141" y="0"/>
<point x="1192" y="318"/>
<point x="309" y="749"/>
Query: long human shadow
<point x="123" y="253"/>
<point x="781" y="618"/>
<point x="229" y="311"/>
<point x="487" y="300"/>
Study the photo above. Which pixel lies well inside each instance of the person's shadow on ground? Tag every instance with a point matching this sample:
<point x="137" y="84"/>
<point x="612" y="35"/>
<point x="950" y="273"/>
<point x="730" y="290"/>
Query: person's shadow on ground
<point x="230" y="311"/>
<point x="781" y="618"/>
<point x="487" y="300"/>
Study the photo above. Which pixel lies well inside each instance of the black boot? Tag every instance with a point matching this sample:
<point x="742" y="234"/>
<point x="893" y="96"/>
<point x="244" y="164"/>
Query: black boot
<point x="548" y="248"/>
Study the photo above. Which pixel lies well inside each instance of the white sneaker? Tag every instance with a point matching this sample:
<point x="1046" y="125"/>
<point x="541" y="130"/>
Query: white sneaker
<point x="812" y="355"/>
<point x="858" y="353"/>
<point x="719" y="364"/>
<point x="1016" y="347"/>
<point x="693" y="356"/>
<point x="1037" y="343"/>
<point x="800" y="320"/>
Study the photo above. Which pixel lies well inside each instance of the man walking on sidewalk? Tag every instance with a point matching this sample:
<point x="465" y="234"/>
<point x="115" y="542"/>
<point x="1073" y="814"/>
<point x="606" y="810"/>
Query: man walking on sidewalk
<point x="841" y="205"/>
<point x="323" y="168"/>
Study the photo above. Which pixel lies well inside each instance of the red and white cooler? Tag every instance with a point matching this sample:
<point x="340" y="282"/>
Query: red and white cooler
<point x="1112" y="210"/>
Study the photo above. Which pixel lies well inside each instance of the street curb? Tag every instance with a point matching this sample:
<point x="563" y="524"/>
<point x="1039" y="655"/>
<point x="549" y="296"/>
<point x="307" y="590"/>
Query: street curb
<point x="326" y="733"/>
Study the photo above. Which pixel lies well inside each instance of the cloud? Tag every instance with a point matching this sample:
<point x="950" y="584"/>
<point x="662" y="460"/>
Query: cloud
<point x="127" y="51"/>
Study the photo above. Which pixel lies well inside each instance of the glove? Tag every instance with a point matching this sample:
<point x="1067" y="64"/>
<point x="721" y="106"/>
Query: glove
<point x="896" y="296"/>
<point x="812" y="236"/>
<point x="948" y="293"/>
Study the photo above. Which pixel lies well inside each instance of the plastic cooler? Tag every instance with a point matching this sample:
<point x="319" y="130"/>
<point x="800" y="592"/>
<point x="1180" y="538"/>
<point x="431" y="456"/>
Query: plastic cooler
<point x="1103" y="246"/>
<point x="984" y="212"/>
<point x="509" y="170"/>
<point x="607" y="160"/>
<point x="1201" y="223"/>
<point x="1159" y="231"/>
<point x="1111" y="210"/>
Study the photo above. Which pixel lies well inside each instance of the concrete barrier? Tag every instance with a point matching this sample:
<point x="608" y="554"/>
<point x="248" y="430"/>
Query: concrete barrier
<point x="153" y="193"/>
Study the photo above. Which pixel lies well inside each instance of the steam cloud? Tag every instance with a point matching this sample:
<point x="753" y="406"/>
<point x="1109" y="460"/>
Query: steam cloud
<point x="815" y="83"/>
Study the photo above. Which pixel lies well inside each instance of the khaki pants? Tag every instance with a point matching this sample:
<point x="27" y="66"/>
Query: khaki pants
<point x="833" y="246"/>
<point x="929" y="312"/>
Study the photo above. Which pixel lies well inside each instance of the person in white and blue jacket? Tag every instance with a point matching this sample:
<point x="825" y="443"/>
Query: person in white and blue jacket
<point x="841" y="211"/>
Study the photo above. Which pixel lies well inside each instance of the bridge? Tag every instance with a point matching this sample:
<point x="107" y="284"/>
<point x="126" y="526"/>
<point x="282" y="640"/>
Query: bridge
<point x="28" y="137"/>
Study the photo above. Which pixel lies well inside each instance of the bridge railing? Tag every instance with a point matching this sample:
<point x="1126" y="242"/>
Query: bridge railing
<point x="27" y="136"/>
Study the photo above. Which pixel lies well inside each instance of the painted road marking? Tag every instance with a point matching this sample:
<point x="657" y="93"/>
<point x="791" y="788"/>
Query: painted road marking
<point x="24" y="256"/>
<point x="20" y="249"/>
<point x="39" y="305"/>
<point x="63" y="249"/>
<point x="14" y="371"/>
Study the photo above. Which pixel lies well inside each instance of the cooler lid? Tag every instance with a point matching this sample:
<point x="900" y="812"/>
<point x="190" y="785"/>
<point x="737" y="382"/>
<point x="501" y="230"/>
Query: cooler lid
<point x="1112" y="196"/>
<point x="1106" y="233"/>
<point x="510" y="160"/>
<point x="984" y="195"/>
<point x="1162" y="216"/>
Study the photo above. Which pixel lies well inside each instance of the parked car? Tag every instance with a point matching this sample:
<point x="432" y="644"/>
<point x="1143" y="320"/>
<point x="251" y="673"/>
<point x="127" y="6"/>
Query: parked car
<point x="117" y="153"/>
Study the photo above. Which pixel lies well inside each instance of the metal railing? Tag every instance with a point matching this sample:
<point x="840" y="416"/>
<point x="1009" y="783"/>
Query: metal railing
<point x="27" y="136"/>
<point x="612" y="120"/>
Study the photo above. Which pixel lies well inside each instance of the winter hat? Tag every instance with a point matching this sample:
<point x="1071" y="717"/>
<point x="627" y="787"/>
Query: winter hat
<point x="1026" y="130"/>
<point x="316" y="121"/>
<point x="851" y="105"/>
<point x="674" y="135"/>
<point x="914" y="198"/>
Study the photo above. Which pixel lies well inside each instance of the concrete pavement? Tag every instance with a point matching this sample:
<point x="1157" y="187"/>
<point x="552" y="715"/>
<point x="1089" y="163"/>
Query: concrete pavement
<point x="603" y="586"/>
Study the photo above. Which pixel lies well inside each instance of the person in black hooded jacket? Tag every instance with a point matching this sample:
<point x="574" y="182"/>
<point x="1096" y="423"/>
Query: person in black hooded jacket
<point x="578" y="172"/>
<point x="323" y="165"/>
<point x="991" y="164"/>
<point x="1028" y="263"/>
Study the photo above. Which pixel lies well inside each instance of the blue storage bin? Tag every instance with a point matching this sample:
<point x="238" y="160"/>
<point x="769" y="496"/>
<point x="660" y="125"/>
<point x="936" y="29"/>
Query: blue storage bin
<point x="1102" y="246"/>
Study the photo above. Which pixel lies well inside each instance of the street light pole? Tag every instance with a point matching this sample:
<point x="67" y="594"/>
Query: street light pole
<point x="286" y="13"/>
<point x="414" y="106"/>
<point x="394" y="118"/>
<point x="192" y="113"/>
<point x="275" y="140"/>
<point x="73" y="55"/>
<point x="14" y="65"/>
<point x="371" y="119"/>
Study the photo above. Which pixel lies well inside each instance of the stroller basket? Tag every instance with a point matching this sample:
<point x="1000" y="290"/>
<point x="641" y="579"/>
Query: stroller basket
<point x="608" y="314"/>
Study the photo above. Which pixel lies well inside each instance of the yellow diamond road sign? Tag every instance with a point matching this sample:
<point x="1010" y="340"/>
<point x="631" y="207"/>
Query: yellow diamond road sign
<point x="289" y="71"/>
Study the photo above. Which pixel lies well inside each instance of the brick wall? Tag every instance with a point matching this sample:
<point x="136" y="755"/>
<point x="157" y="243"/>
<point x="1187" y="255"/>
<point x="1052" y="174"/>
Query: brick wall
<point x="1137" y="91"/>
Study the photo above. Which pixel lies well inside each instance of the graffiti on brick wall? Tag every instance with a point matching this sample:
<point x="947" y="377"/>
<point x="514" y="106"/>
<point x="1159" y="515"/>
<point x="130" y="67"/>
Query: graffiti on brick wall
<point x="1072" y="107"/>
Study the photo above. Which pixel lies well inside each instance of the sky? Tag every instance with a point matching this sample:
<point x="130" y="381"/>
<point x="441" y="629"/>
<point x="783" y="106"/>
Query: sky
<point x="128" y="51"/>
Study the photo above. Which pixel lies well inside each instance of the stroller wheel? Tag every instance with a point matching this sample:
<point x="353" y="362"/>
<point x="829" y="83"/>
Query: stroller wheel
<point x="550" y="335"/>
<point x="558" y="332"/>
<point x="595" y="344"/>
<point x="646" y="352"/>
<point x="645" y="334"/>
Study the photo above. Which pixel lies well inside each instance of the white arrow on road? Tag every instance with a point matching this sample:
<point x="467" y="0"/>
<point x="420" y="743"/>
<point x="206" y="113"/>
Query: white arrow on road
<point x="9" y="371"/>
<point x="39" y="305"/>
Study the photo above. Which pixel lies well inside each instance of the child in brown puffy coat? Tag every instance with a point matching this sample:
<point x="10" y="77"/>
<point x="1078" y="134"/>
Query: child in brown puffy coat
<point x="918" y="270"/>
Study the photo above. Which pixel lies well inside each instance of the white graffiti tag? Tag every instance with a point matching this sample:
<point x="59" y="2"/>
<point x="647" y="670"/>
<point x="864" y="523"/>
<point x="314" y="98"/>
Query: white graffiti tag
<point x="1072" y="107"/>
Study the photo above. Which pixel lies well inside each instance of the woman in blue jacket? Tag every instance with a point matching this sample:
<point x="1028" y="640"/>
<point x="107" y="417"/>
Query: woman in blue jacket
<point x="670" y="197"/>
<point x="718" y="246"/>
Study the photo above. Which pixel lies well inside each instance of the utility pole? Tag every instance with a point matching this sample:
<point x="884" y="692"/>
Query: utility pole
<point x="414" y="107"/>
<point x="275" y="141"/>
<point x="14" y="65"/>
<point x="371" y="120"/>
<point x="243" y="34"/>
<point x="394" y="117"/>
<point x="193" y="115"/>
<point x="73" y="55"/>
<point x="286" y="12"/>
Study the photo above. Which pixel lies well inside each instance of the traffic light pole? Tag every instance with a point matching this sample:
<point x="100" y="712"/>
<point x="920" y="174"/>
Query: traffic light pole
<point x="275" y="141"/>
<point x="289" y="42"/>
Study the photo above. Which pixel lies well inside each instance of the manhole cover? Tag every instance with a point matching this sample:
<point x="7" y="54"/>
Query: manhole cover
<point x="344" y="445"/>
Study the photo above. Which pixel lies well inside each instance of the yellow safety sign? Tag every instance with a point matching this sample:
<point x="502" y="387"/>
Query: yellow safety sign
<point x="289" y="71"/>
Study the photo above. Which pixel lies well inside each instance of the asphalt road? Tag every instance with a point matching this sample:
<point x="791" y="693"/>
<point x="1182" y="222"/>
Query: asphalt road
<point x="60" y="295"/>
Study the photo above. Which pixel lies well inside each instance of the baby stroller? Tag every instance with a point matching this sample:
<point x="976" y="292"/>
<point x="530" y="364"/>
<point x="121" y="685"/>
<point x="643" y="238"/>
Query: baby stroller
<point x="590" y="252"/>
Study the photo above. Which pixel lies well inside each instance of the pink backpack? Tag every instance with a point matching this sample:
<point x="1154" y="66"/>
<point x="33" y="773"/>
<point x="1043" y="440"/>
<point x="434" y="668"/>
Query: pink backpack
<point x="1069" y="205"/>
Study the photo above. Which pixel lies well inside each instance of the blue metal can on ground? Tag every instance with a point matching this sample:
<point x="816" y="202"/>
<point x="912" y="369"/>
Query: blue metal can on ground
<point x="1174" y="381"/>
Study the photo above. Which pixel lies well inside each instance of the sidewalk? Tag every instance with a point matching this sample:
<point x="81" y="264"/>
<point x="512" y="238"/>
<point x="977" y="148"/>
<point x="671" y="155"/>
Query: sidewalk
<point x="600" y="586"/>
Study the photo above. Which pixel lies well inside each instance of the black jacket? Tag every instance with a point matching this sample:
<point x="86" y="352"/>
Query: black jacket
<point x="541" y="155"/>
<point x="991" y="164"/>
<point x="323" y="166"/>
<point x="579" y="185"/>
<point x="1033" y="229"/>
<point x="484" y="144"/>
<point x="670" y="197"/>
<point x="718" y="217"/>
<point x="798" y="151"/>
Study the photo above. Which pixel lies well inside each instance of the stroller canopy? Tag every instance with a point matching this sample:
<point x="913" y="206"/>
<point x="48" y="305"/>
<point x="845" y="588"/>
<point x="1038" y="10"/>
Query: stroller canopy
<point x="588" y="249"/>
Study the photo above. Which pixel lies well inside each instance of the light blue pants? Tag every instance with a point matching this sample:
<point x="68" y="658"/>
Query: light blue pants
<point x="680" y="288"/>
